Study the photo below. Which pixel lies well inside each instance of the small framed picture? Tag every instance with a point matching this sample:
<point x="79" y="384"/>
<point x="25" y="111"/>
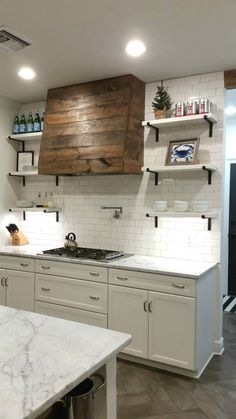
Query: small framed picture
<point x="24" y="159"/>
<point x="182" y="152"/>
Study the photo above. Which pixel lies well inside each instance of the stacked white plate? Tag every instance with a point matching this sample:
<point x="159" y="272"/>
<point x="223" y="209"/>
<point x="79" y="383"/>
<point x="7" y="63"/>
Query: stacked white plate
<point x="24" y="204"/>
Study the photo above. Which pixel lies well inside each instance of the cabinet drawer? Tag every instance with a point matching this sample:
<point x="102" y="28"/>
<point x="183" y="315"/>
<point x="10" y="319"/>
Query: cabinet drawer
<point x="72" y="270"/>
<point x="154" y="282"/>
<point x="17" y="263"/>
<point x="86" y="295"/>
<point x="74" y="314"/>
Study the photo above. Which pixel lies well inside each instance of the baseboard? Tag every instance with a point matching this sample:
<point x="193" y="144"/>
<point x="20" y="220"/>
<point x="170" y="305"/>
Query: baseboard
<point x="218" y="346"/>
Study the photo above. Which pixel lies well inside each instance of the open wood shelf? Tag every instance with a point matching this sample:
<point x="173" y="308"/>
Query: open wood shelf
<point x="181" y="120"/>
<point x="27" y="136"/>
<point x="182" y="168"/>
<point x="36" y="209"/>
<point x="186" y="214"/>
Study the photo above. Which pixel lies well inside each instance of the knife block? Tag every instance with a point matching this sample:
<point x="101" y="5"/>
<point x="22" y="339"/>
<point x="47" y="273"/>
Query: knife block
<point x="18" y="238"/>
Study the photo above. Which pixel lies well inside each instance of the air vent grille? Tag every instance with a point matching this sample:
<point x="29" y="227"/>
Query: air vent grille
<point x="11" y="41"/>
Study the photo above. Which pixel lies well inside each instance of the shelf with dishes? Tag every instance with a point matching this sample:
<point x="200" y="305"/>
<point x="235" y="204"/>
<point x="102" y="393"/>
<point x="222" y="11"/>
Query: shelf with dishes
<point x="181" y="120"/>
<point x="208" y="168"/>
<point x="46" y="210"/>
<point x="208" y="215"/>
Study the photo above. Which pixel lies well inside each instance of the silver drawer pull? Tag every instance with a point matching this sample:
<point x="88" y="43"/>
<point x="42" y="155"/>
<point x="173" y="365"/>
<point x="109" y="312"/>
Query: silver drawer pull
<point x="45" y="289"/>
<point x="94" y="273"/>
<point x="178" y="286"/>
<point x="2" y="281"/>
<point x="150" y="307"/>
<point x="122" y="278"/>
<point x="24" y="264"/>
<point x="6" y="281"/>
<point x="45" y="267"/>
<point x="94" y="298"/>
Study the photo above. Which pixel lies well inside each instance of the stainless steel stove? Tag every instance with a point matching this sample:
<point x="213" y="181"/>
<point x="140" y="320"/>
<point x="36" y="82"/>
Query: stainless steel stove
<point x="101" y="255"/>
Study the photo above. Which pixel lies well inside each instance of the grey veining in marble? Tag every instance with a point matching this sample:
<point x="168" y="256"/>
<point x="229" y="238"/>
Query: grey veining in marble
<point x="42" y="358"/>
<point x="160" y="265"/>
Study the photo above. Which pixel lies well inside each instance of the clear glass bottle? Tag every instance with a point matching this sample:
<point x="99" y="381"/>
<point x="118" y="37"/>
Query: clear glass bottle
<point x="42" y="121"/>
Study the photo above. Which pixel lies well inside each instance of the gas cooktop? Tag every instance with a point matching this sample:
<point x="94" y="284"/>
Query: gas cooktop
<point x="84" y="253"/>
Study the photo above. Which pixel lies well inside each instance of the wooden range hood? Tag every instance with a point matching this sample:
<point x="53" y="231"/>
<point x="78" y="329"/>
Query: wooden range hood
<point x="94" y="128"/>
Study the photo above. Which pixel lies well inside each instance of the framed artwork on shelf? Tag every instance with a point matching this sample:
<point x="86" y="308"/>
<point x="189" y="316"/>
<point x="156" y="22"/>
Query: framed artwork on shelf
<point x="182" y="152"/>
<point x="25" y="160"/>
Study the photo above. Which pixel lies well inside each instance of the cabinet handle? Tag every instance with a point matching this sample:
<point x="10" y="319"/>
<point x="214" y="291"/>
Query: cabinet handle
<point x="94" y="273"/>
<point x="2" y="281"/>
<point x="94" y="298"/>
<point x="178" y="286"/>
<point x="24" y="264"/>
<point x="45" y="267"/>
<point x="122" y="278"/>
<point x="150" y="307"/>
<point x="145" y="305"/>
<point x="6" y="281"/>
<point x="45" y="289"/>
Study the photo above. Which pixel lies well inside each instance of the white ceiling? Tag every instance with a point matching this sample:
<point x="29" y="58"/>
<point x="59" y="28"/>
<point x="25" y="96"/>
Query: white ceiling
<point x="82" y="40"/>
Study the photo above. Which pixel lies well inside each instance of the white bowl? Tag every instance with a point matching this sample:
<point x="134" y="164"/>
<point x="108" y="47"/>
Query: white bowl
<point x="160" y="205"/>
<point x="24" y="204"/>
<point x="180" y="205"/>
<point x="200" y="206"/>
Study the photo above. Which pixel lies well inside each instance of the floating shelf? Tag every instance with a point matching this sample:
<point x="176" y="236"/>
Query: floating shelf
<point x="186" y="214"/>
<point x="182" y="168"/>
<point x="35" y="209"/>
<point x="26" y="136"/>
<point x="181" y="120"/>
<point x="29" y="173"/>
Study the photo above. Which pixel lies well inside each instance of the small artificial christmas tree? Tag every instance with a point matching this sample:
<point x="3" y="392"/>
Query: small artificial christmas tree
<point x="162" y="103"/>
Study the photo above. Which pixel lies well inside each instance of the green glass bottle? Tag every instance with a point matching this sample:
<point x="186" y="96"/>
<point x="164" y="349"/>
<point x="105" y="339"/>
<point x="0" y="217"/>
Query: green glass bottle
<point x="37" y="122"/>
<point x="16" y="125"/>
<point x="30" y="123"/>
<point x="22" y="124"/>
<point x="42" y="121"/>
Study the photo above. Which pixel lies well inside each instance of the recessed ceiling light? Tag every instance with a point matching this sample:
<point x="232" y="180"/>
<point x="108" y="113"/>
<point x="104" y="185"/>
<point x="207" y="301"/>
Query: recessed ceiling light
<point x="26" y="73"/>
<point x="135" y="48"/>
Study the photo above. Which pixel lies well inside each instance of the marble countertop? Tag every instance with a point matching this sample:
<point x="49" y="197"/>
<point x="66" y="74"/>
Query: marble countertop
<point x="152" y="264"/>
<point x="42" y="358"/>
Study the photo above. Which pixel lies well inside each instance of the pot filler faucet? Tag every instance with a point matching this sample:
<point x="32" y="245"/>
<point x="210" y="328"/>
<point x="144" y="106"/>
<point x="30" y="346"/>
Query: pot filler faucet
<point x="117" y="213"/>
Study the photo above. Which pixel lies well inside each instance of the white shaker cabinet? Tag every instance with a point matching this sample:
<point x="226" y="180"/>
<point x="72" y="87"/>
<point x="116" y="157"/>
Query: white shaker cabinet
<point x="17" y="284"/>
<point x="128" y="313"/>
<point x="172" y="330"/>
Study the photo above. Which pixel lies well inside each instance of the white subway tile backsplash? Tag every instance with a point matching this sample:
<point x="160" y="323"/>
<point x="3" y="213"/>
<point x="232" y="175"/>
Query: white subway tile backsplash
<point x="81" y="198"/>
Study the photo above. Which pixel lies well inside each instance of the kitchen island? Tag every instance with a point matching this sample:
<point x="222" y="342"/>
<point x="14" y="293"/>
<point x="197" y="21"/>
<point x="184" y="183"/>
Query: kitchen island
<point x="43" y="358"/>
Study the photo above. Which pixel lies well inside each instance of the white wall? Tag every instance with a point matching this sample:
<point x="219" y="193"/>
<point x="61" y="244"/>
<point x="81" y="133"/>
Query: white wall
<point x="81" y="197"/>
<point x="9" y="189"/>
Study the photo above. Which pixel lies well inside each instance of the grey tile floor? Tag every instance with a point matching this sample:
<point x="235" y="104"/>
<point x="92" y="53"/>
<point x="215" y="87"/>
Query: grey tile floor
<point x="145" y="393"/>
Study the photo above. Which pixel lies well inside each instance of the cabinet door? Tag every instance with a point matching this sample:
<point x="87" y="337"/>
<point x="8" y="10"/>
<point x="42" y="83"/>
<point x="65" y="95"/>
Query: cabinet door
<point x="20" y="290"/>
<point x="74" y="314"/>
<point x="2" y="287"/>
<point x="127" y="314"/>
<point x="172" y="330"/>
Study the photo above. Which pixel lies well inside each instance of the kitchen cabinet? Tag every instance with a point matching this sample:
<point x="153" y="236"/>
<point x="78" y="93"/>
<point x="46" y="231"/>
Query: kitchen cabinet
<point x="17" y="283"/>
<point x="170" y="318"/>
<point x="128" y="313"/>
<point x="72" y="291"/>
<point x="162" y="325"/>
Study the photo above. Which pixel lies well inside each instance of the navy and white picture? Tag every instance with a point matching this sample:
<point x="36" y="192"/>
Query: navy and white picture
<point x="182" y="152"/>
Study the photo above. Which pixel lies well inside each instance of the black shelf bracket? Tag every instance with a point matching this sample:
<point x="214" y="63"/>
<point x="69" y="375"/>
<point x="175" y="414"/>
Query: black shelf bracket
<point x="208" y="222"/>
<point x="57" y="180"/>
<point x="155" y="173"/>
<point x="156" y="129"/>
<point x="50" y="212"/>
<point x="209" y="174"/>
<point x="210" y="125"/>
<point x="23" y="177"/>
<point x="156" y="219"/>
<point x="19" y="141"/>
